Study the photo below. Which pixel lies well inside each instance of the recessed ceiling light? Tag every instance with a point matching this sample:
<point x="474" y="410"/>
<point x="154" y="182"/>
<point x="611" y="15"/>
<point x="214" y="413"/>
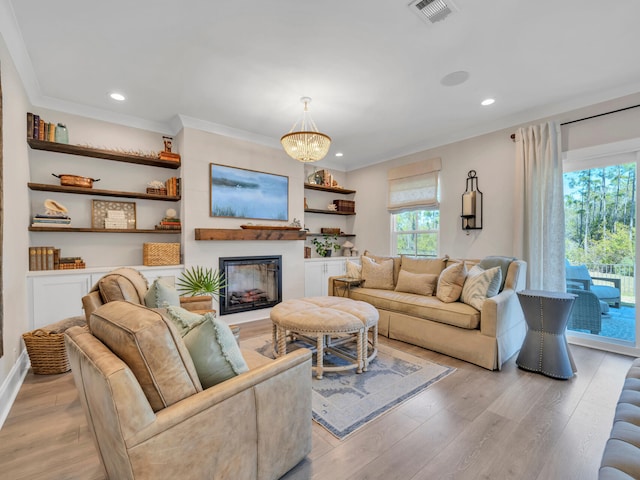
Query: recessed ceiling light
<point x="117" y="96"/>
<point x="339" y="154"/>
<point x="487" y="101"/>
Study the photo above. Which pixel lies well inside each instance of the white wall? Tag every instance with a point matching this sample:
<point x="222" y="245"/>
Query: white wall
<point x="492" y="156"/>
<point x="15" y="222"/>
<point x="199" y="149"/>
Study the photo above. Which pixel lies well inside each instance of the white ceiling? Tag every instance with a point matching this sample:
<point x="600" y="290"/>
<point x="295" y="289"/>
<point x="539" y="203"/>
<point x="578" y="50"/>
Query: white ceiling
<point x="373" y="68"/>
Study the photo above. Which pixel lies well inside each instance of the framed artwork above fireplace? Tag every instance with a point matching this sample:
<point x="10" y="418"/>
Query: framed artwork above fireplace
<point x="241" y="193"/>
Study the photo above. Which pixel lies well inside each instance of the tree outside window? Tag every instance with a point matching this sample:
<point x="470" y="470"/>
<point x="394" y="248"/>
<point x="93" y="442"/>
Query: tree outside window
<point x="416" y="233"/>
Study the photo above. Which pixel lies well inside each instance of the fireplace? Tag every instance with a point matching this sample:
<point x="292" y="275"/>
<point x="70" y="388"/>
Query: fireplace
<point x="252" y="283"/>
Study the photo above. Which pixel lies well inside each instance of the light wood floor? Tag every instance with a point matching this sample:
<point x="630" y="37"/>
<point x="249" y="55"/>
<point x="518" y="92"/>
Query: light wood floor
<point x="474" y="424"/>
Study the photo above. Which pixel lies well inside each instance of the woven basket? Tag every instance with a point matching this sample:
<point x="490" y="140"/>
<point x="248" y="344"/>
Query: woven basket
<point x="161" y="254"/>
<point x="46" y="352"/>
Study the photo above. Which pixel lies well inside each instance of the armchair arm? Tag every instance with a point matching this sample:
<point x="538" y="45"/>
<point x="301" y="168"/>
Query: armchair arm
<point x="298" y="361"/>
<point x="614" y="281"/>
<point x="578" y="282"/>
<point x="500" y="313"/>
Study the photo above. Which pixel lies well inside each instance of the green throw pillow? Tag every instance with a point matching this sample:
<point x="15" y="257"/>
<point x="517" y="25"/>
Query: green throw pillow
<point x="183" y="319"/>
<point x="214" y="351"/>
<point x="161" y="295"/>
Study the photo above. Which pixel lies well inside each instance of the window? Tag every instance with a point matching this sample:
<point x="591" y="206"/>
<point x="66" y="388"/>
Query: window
<point x="416" y="233"/>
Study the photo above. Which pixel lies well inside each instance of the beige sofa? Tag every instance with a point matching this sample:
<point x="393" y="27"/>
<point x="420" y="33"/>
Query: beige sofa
<point x="150" y="418"/>
<point x="486" y="338"/>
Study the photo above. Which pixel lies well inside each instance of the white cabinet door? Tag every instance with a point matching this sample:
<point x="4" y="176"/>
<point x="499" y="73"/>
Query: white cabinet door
<point x="317" y="273"/>
<point x="57" y="297"/>
<point x="313" y="279"/>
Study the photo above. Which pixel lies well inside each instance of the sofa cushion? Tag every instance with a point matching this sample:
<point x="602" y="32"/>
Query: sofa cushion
<point x="430" y="308"/>
<point x="423" y="265"/>
<point x="161" y="294"/>
<point x="354" y="270"/>
<point x="481" y="284"/>
<point x="450" y="282"/>
<point x="214" y="351"/>
<point x="377" y="274"/>
<point x="418" y="283"/>
<point x="397" y="262"/>
<point x="151" y="347"/>
<point x="497" y="261"/>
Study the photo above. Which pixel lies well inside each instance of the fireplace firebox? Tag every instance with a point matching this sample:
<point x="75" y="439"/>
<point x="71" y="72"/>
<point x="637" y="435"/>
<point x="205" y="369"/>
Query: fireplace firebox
<point x="252" y="283"/>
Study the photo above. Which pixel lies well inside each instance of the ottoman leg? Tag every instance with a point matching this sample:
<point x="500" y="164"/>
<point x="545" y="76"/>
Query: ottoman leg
<point x="361" y="346"/>
<point x="320" y="356"/>
<point x="282" y="341"/>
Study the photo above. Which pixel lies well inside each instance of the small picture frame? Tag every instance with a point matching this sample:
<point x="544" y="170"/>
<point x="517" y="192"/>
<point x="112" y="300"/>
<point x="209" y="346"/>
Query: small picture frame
<point x="111" y="215"/>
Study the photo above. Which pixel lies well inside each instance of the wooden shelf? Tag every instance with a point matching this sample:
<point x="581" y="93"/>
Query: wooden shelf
<point x="322" y="188"/>
<point x="329" y="234"/>
<point x="43" y="187"/>
<point x="99" y="153"/>
<point x="327" y="212"/>
<point x="248" y="234"/>
<point x="100" y="230"/>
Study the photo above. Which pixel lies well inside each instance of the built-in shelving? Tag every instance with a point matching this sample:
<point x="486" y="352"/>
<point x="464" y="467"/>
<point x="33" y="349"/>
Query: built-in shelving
<point x="327" y="212"/>
<point x="44" y="187"/>
<point x="100" y="153"/>
<point x="322" y="188"/>
<point x="101" y="230"/>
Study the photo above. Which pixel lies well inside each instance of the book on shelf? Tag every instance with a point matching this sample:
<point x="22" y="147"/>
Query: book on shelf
<point x="41" y="130"/>
<point x="51" y="225"/>
<point x="36" y="127"/>
<point x="29" y="125"/>
<point x="42" y="258"/>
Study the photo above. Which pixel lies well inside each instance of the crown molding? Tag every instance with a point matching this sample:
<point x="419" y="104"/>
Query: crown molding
<point x="206" y="126"/>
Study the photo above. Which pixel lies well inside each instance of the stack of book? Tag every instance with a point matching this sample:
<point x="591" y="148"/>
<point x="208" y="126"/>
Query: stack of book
<point x="173" y="186"/>
<point x="71" y="263"/>
<point x="169" y="223"/>
<point x="38" y="129"/>
<point x="43" y="258"/>
<point x="55" y="221"/>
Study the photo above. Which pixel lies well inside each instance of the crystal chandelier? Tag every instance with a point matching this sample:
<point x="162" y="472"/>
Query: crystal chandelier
<point x="306" y="144"/>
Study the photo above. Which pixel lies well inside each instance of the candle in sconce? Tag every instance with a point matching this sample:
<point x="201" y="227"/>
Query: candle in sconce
<point x="469" y="204"/>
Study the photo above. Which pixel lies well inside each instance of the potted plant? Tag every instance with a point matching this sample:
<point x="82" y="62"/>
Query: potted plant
<point x="201" y="282"/>
<point x="326" y="245"/>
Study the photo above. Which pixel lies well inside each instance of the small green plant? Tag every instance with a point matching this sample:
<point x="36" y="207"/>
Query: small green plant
<point x="201" y="281"/>
<point x="326" y="245"/>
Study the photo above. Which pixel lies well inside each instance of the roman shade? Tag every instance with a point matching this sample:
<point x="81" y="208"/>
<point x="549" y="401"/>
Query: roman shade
<point x="414" y="186"/>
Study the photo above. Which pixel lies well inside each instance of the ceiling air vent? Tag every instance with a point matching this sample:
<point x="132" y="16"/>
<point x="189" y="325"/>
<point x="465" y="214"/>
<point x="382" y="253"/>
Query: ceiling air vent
<point x="432" y="11"/>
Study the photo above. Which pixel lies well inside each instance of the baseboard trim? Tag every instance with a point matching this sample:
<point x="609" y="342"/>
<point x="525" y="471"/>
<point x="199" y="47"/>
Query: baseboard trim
<point x="11" y="386"/>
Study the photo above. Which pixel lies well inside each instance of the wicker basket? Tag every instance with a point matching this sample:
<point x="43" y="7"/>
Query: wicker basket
<point x="46" y="349"/>
<point x="161" y="254"/>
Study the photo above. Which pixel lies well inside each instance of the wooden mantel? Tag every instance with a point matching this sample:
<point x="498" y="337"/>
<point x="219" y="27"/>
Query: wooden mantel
<point x="248" y="234"/>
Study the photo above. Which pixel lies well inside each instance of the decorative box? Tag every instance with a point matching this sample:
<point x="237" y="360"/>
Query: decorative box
<point x="330" y="231"/>
<point x="345" y="205"/>
<point x="160" y="254"/>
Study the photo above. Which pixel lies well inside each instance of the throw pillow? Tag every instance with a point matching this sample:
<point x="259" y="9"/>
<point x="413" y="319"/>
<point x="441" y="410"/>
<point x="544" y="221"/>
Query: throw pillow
<point x="497" y="261"/>
<point x="480" y="285"/>
<point x="450" y="283"/>
<point x="423" y="265"/>
<point x="378" y="259"/>
<point x="214" y="351"/>
<point x="161" y="295"/>
<point x="418" y="283"/>
<point x="377" y="275"/>
<point x="183" y="319"/>
<point x="354" y="270"/>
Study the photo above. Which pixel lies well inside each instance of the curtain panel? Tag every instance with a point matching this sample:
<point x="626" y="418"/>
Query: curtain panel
<point x="539" y="222"/>
<point x="414" y="186"/>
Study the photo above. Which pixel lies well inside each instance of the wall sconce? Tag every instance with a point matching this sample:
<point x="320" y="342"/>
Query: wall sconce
<point x="472" y="204"/>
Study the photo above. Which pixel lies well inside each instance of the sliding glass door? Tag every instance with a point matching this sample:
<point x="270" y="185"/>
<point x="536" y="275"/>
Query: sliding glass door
<point x="600" y="242"/>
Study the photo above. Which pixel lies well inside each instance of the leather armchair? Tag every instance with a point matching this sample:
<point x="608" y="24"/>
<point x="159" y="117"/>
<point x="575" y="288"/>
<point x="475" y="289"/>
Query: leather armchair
<point x="129" y="285"/>
<point x="151" y="419"/>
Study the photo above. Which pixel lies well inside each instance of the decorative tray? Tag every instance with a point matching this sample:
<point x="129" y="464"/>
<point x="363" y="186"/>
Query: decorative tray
<point x="269" y="227"/>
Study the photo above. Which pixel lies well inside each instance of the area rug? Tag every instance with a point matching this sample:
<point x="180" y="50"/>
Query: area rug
<point x="342" y="402"/>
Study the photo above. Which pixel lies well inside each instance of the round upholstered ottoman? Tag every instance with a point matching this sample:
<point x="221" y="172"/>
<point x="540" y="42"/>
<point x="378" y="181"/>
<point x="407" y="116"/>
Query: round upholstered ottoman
<point x="329" y="323"/>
